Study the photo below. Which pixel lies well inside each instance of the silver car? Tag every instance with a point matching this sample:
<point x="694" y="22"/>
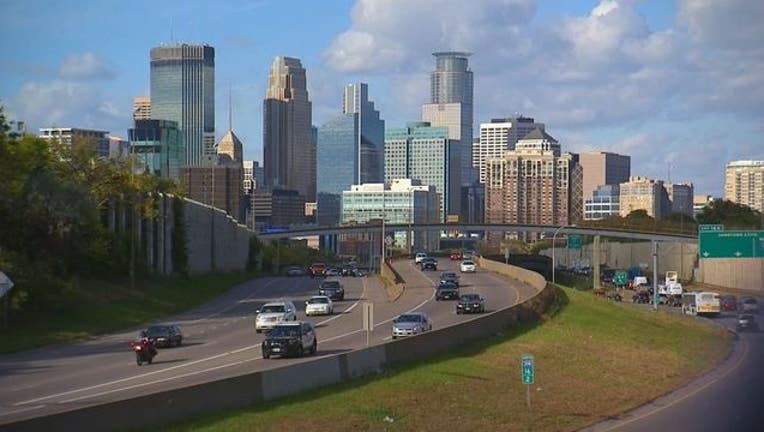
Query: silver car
<point x="273" y="313"/>
<point x="410" y="324"/>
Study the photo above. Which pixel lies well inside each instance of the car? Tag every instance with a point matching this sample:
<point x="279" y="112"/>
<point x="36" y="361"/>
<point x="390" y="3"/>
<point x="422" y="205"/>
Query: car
<point x="290" y="339"/>
<point x="349" y="270"/>
<point x="728" y="303"/>
<point x="294" y="271"/>
<point x="319" y="305"/>
<point x="419" y="257"/>
<point x="468" y="266"/>
<point x="449" y="277"/>
<point x="455" y="256"/>
<point x="470" y="303"/>
<point x="333" y="271"/>
<point x="748" y="304"/>
<point x="447" y="291"/>
<point x="317" y="270"/>
<point x="429" y="264"/>
<point x="273" y="313"/>
<point x="332" y="288"/>
<point x="164" y="335"/>
<point x="468" y="254"/>
<point x="410" y="324"/>
<point x="747" y="322"/>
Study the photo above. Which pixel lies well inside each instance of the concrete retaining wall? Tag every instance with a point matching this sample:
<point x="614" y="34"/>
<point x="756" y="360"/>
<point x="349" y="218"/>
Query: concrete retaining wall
<point x="745" y="274"/>
<point x="215" y="241"/>
<point x="173" y="405"/>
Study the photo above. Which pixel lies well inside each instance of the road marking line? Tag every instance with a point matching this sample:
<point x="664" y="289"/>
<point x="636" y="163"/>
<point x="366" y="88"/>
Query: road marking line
<point x="7" y="413"/>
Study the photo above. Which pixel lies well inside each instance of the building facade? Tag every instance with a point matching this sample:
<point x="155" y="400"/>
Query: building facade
<point x="278" y="207"/>
<point x="604" y="203"/>
<point x="641" y="193"/>
<point x="744" y="183"/>
<point x="183" y="91"/>
<point x="699" y="202"/>
<point x="426" y="154"/>
<point x="680" y="196"/>
<point x="499" y="136"/>
<point x="141" y="108"/>
<point x="288" y="139"/>
<point x="217" y="184"/>
<point x="157" y="147"/>
<point x="96" y="140"/>
<point x="231" y="146"/>
<point x="603" y="168"/>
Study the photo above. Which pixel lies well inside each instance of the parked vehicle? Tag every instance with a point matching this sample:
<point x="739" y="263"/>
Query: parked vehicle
<point x="455" y="256"/>
<point x="419" y="257"/>
<point x="144" y="351"/>
<point x="449" y="276"/>
<point x="639" y="281"/>
<point x="410" y="324"/>
<point x="274" y="313"/>
<point x="319" y="305"/>
<point x="728" y="303"/>
<point x="447" y="291"/>
<point x="164" y="335"/>
<point x="470" y="303"/>
<point x="290" y="339"/>
<point x="332" y="288"/>
<point x="748" y="304"/>
<point x="747" y="322"/>
<point x="317" y="270"/>
<point x="642" y="297"/>
<point x="468" y="266"/>
<point x="429" y="264"/>
<point x="701" y="303"/>
<point x="294" y="271"/>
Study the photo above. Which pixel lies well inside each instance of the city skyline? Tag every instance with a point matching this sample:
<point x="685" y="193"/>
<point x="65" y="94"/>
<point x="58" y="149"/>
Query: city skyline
<point x="611" y="76"/>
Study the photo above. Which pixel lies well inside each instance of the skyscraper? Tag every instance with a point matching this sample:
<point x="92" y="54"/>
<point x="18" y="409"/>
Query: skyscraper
<point x="350" y="151"/>
<point x="744" y="183"/>
<point x="451" y="95"/>
<point x="289" y="153"/>
<point x="231" y="146"/>
<point x="183" y="91"/>
<point x="604" y="168"/>
<point x="157" y="147"/>
<point x="499" y="136"/>
<point x="141" y="108"/>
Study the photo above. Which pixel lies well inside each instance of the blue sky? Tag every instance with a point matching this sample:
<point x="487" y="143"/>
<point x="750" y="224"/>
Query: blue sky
<point x="663" y="81"/>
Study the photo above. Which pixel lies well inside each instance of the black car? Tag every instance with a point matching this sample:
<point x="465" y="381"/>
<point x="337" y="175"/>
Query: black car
<point x="349" y="270"/>
<point x="164" y="335"/>
<point x="470" y="303"/>
<point x="429" y="264"/>
<point x="449" y="277"/>
<point x="747" y="322"/>
<point x="332" y="289"/>
<point x="290" y="339"/>
<point x="447" y="291"/>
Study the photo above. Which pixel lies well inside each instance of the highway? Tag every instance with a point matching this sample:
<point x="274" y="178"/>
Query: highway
<point x="220" y="341"/>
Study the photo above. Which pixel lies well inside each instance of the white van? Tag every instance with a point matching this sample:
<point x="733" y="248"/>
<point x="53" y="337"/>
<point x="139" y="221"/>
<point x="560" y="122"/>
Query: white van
<point x="419" y="257"/>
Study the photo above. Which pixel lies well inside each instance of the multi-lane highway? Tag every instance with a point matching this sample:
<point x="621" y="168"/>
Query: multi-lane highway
<point x="220" y="341"/>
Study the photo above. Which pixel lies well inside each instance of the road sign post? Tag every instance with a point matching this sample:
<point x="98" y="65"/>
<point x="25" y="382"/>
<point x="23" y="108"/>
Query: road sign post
<point x="528" y="375"/>
<point x="368" y="320"/>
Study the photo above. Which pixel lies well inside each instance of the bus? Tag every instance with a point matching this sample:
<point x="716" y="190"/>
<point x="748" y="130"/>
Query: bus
<point x="701" y="303"/>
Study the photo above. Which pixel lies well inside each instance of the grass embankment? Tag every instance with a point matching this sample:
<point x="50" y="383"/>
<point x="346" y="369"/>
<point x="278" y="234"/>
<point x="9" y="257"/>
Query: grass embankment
<point x="103" y="307"/>
<point x="594" y="359"/>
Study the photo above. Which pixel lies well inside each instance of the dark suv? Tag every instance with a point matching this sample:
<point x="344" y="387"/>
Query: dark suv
<point x="332" y="289"/>
<point x="164" y="335"/>
<point x="290" y="339"/>
<point x="429" y="264"/>
<point x="447" y="291"/>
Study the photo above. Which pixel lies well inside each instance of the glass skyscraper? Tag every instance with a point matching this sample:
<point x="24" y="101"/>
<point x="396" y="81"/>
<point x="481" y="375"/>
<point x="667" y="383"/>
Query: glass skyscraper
<point x="183" y="91"/>
<point x="158" y="147"/>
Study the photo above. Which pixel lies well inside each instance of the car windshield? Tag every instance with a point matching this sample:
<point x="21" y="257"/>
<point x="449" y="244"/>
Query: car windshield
<point x="330" y="284"/>
<point x="273" y="309"/>
<point x="318" y="300"/>
<point x="408" y="318"/>
<point x="470" y="297"/>
<point x="157" y="331"/>
<point x="284" y="331"/>
<point x="447" y="286"/>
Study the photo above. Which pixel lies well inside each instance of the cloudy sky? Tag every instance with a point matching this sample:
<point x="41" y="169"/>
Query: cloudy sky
<point x="668" y="82"/>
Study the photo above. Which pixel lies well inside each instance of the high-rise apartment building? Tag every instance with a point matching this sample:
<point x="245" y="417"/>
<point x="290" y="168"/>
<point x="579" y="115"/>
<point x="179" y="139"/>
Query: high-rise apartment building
<point x="157" y="147"/>
<point x="426" y="154"/>
<point x="141" y="108"/>
<point x="288" y="138"/>
<point x="350" y="150"/>
<point x="532" y="184"/>
<point x="183" y="91"/>
<point x="641" y="193"/>
<point x="603" y="168"/>
<point x="499" y="136"/>
<point x="744" y="183"/>
<point x="96" y="140"/>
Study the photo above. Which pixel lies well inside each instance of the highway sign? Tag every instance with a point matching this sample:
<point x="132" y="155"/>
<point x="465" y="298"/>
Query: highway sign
<point x="527" y="369"/>
<point x="574" y="241"/>
<point x="731" y="244"/>
<point x="620" y="278"/>
<point x="710" y="227"/>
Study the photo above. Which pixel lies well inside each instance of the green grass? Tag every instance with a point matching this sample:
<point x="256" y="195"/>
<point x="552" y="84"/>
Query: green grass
<point x="594" y="359"/>
<point x="103" y="307"/>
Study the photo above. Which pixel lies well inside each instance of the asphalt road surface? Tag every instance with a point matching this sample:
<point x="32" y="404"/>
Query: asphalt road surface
<point x="220" y="341"/>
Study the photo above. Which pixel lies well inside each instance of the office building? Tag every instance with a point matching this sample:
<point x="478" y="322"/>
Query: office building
<point x="278" y="207"/>
<point x="532" y="184"/>
<point x="604" y="203"/>
<point x="141" y="108"/>
<point x="641" y="193"/>
<point x="680" y="196"/>
<point x="95" y="140"/>
<point x="216" y="183"/>
<point x="350" y="151"/>
<point x="603" y="168"/>
<point x="744" y="183"/>
<point x="230" y="145"/>
<point x="426" y="154"/>
<point x="183" y="91"/>
<point x="288" y="137"/>
<point x="158" y="147"/>
<point x="499" y="136"/>
<point x="118" y="147"/>
<point x="699" y="202"/>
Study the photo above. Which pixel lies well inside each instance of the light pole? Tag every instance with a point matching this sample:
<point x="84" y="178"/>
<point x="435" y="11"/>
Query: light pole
<point x="554" y="238"/>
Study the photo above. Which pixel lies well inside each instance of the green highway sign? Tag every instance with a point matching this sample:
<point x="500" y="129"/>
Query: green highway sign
<point x="710" y="227"/>
<point x="731" y="244"/>
<point x="527" y="367"/>
<point x="574" y="241"/>
<point x="620" y="278"/>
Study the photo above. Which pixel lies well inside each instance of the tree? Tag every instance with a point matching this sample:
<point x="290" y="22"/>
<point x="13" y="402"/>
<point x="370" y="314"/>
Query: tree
<point x="731" y="215"/>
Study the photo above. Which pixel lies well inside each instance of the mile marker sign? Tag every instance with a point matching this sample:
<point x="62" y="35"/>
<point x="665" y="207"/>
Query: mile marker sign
<point x="527" y="369"/>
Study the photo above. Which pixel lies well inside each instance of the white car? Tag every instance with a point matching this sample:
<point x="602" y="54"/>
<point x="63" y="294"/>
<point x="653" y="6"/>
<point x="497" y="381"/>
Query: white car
<point x="468" y="266"/>
<point x="411" y="324"/>
<point x="419" y="257"/>
<point x="319" y="305"/>
<point x="273" y="313"/>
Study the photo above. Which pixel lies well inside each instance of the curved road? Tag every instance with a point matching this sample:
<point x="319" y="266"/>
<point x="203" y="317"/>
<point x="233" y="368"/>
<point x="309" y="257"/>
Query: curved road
<point x="220" y="342"/>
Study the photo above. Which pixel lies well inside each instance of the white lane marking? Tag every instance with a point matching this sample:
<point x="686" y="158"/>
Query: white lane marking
<point x="7" y="413"/>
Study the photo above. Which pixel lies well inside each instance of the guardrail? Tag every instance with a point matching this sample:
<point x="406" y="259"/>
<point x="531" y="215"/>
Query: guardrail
<point x="238" y="392"/>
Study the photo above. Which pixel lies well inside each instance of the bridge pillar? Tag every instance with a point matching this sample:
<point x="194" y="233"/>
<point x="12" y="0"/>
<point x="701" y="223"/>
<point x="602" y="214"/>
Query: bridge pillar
<point x="596" y="262"/>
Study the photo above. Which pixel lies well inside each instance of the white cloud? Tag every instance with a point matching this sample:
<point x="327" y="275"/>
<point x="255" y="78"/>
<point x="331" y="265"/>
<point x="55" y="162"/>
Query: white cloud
<point x="85" y="66"/>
